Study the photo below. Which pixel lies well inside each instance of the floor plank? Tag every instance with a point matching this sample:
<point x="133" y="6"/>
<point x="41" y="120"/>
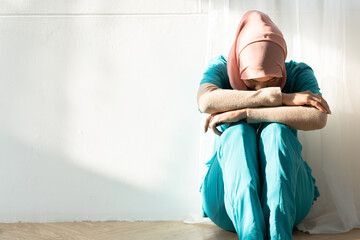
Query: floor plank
<point x="140" y="230"/>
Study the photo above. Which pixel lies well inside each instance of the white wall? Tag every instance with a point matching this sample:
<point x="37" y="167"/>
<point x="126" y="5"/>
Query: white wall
<point x="98" y="109"/>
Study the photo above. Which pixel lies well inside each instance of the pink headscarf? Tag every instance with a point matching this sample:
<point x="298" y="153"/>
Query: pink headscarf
<point x="259" y="50"/>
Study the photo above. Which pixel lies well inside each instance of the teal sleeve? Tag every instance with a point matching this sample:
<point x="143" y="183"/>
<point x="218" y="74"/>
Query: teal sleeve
<point x="216" y="73"/>
<point x="305" y="79"/>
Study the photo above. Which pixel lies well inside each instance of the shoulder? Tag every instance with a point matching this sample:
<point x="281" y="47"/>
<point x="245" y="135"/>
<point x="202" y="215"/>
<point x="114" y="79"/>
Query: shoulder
<point x="216" y="72"/>
<point x="300" y="77"/>
<point x="219" y="60"/>
<point x="218" y="65"/>
<point x="293" y="67"/>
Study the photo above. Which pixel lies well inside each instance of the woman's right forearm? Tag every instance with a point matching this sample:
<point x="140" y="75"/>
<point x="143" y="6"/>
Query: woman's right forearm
<point x="212" y="99"/>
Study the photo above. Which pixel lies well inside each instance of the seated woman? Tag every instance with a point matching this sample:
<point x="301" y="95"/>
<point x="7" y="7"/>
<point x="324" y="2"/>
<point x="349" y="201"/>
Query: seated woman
<point x="257" y="183"/>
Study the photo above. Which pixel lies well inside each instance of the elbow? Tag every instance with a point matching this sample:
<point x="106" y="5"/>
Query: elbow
<point x="201" y="104"/>
<point x="205" y="99"/>
<point x="202" y="108"/>
<point x="204" y="105"/>
<point x="317" y="121"/>
<point x="321" y="120"/>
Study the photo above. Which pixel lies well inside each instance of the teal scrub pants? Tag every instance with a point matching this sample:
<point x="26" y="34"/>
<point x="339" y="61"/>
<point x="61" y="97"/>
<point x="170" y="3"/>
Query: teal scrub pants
<point x="257" y="184"/>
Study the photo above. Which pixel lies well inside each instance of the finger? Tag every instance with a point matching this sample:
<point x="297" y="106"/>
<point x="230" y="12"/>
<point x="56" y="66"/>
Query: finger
<point x="213" y="125"/>
<point x="207" y="123"/>
<point x="217" y="132"/>
<point x="318" y="105"/>
<point x="312" y="101"/>
<point x="323" y="103"/>
<point x="327" y="105"/>
<point x="316" y="102"/>
<point x="214" y="129"/>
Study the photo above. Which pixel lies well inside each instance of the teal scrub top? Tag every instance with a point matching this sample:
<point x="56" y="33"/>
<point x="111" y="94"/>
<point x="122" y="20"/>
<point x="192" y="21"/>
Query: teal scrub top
<point x="300" y="76"/>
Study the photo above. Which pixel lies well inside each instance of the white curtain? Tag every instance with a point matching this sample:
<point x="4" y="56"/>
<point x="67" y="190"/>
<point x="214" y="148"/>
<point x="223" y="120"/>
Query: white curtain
<point x="325" y="35"/>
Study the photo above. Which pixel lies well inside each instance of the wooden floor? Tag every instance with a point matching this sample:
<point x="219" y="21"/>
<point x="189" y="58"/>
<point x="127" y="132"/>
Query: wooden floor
<point x="157" y="230"/>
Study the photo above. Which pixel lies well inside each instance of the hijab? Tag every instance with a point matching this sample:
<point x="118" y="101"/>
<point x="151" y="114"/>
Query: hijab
<point x="259" y="50"/>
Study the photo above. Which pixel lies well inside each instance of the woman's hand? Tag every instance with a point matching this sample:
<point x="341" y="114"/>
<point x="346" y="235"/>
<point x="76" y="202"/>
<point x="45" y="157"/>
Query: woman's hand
<point x="229" y="117"/>
<point x="306" y="98"/>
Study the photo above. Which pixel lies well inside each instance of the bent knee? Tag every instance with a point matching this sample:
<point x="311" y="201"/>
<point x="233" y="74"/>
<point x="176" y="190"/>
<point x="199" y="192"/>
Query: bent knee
<point x="238" y="130"/>
<point x="280" y="135"/>
<point x="274" y="126"/>
<point x="277" y="130"/>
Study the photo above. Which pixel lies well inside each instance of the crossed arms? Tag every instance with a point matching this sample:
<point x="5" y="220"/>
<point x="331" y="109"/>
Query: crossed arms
<point x="303" y="111"/>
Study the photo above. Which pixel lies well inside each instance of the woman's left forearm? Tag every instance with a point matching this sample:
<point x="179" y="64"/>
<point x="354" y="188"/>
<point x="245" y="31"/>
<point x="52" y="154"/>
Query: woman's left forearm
<point x="297" y="117"/>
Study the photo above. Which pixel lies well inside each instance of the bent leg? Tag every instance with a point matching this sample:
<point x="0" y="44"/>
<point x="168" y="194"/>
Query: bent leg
<point x="212" y="194"/>
<point x="238" y="158"/>
<point x="304" y="192"/>
<point x="285" y="184"/>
